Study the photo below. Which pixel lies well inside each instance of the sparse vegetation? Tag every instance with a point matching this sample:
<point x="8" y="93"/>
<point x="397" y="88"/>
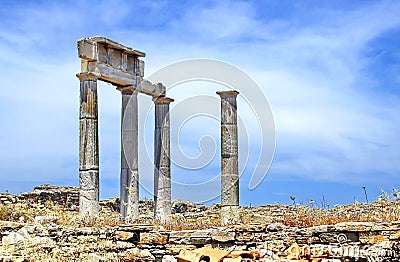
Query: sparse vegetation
<point x="385" y="209"/>
<point x="379" y="211"/>
<point x="26" y="212"/>
<point x="8" y="213"/>
<point x="187" y="216"/>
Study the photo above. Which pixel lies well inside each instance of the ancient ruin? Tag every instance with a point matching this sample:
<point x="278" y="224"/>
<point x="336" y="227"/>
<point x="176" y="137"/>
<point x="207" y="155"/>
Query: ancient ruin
<point x="109" y="61"/>
<point x="46" y="224"/>
<point x="106" y="60"/>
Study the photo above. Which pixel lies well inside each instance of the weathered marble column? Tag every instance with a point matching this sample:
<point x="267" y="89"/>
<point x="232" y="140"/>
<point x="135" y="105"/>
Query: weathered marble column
<point x="88" y="147"/>
<point x="129" y="183"/>
<point x="162" y="163"/>
<point x="229" y="157"/>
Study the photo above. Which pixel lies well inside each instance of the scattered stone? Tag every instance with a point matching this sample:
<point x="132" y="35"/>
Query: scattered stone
<point x="95" y="258"/>
<point x="45" y="219"/>
<point x="222" y="236"/>
<point x="136" y="254"/>
<point x="202" y="254"/>
<point x="12" y="238"/>
<point x="62" y="195"/>
<point x="124" y="235"/>
<point x="179" y="207"/>
<point x="40" y="238"/>
<point x="169" y="258"/>
<point x="153" y="238"/>
<point x="275" y="227"/>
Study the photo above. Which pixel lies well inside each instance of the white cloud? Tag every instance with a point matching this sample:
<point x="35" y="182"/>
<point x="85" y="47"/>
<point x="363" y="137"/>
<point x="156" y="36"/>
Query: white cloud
<point x="330" y="121"/>
<point x="223" y="20"/>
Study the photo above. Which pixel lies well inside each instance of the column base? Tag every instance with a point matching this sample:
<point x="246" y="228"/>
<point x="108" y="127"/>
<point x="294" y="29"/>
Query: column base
<point x="132" y="211"/>
<point x="89" y="204"/>
<point x="123" y="195"/>
<point x="229" y="215"/>
<point x="163" y="214"/>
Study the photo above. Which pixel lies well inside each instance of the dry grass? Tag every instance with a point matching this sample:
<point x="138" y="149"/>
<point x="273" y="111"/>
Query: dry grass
<point x="8" y="213"/>
<point x="181" y="223"/>
<point x="26" y="212"/>
<point x="301" y="216"/>
<point x="308" y="217"/>
<point x="378" y="211"/>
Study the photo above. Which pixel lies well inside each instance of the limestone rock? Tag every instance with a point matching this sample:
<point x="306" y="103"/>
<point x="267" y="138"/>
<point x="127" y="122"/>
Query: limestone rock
<point x="354" y="226"/>
<point x="175" y="249"/>
<point x="180" y="237"/>
<point x="45" y="219"/>
<point x="124" y="235"/>
<point x="169" y="258"/>
<point x="136" y="254"/>
<point x="256" y="227"/>
<point x="222" y="236"/>
<point x="123" y="245"/>
<point x="274" y="227"/>
<point x="202" y="254"/>
<point x="66" y="196"/>
<point x="12" y="239"/>
<point x="179" y="207"/>
<point x="153" y="238"/>
<point x="95" y="258"/>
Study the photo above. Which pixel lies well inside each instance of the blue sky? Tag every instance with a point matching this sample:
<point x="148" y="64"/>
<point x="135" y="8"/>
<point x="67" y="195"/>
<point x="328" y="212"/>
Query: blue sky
<point x="330" y="71"/>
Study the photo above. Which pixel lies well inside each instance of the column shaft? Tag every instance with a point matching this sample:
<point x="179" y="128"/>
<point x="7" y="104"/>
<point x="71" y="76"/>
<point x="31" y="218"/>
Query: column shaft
<point x="129" y="183"/>
<point x="88" y="148"/>
<point x="229" y="156"/>
<point x="162" y="163"/>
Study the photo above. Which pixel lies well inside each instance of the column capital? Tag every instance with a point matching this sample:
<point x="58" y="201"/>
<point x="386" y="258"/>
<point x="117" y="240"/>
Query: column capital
<point x="127" y="90"/>
<point x="88" y="76"/>
<point x="162" y="100"/>
<point x="230" y="93"/>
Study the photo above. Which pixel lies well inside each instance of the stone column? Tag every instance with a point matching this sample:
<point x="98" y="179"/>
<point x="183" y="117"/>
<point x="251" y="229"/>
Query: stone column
<point x="88" y="148"/>
<point x="129" y="183"/>
<point x="229" y="157"/>
<point x="162" y="163"/>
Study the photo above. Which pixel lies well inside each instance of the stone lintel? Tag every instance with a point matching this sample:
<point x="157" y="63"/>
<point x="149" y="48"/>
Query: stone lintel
<point x="87" y="47"/>
<point x="121" y="78"/>
<point x="117" y="64"/>
<point x="154" y="90"/>
<point x="110" y="74"/>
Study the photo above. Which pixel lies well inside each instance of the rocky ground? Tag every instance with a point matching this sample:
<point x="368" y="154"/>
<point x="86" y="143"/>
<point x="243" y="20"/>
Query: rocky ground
<point x="44" y="225"/>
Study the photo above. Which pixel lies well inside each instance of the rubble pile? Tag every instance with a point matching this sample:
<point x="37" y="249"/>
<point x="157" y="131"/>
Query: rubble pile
<point x="262" y="237"/>
<point x="65" y="196"/>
